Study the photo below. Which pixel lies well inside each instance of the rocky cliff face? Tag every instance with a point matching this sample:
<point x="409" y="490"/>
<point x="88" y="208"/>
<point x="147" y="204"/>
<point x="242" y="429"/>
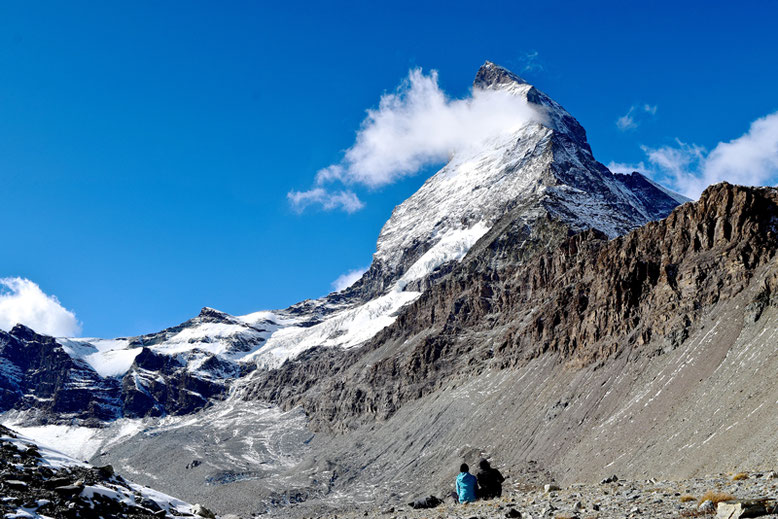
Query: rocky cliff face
<point x="583" y="302"/>
<point x="37" y="374"/>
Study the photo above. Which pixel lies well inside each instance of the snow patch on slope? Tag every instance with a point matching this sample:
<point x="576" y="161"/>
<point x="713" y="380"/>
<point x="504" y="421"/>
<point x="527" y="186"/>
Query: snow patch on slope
<point x="108" y="357"/>
<point x="76" y="441"/>
<point x="355" y="326"/>
<point x="345" y="329"/>
<point x="451" y="247"/>
<point x="475" y="187"/>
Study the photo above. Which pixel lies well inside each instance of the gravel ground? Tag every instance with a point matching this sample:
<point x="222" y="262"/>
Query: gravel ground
<point x="620" y="499"/>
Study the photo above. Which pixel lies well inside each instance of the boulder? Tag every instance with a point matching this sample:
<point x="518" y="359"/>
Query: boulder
<point x="200" y="510"/>
<point x="740" y="509"/>
<point x="15" y="484"/>
<point x="105" y="472"/>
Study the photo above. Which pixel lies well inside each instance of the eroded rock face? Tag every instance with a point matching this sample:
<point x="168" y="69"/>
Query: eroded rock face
<point x="584" y="301"/>
<point x="35" y="372"/>
<point x="160" y="384"/>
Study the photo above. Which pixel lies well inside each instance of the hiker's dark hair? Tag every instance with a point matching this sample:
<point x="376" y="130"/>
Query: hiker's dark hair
<point x="464" y="468"/>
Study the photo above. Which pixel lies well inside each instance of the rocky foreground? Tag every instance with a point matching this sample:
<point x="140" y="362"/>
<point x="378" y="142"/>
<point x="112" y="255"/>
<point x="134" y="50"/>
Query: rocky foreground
<point x="729" y="496"/>
<point x="38" y="482"/>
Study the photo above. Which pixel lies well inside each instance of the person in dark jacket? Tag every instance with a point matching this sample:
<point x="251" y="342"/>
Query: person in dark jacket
<point x="467" y="485"/>
<point x="489" y="481"/>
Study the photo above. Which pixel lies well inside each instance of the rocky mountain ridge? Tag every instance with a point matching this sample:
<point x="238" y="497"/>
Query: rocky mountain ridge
<point x="544" y="170"/>
<point x="497" y="360"/>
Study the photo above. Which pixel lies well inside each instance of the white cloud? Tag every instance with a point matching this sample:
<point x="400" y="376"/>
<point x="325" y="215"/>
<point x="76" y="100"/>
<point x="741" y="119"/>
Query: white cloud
<point x="346" y="200"/>
<point x="751" y="159"/>
<point x="347" y="279"/>
<point x="632" y="118"/>
<point x="415" y="126"/>
<point x="23" y="302"/>
<point x="419" y="125"/>
<point x="531" y="62"/>
<point x="627" y="121"/>
<point x="623" y="167"/>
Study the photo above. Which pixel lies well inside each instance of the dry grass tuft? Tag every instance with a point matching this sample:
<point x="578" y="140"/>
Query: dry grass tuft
<point x="686" y="498"/>
<point x="740" y="476"/>
<point x="716" y="497"/>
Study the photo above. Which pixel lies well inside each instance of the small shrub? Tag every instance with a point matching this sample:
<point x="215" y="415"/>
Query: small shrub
<point x="740" y="476"/>
<point x="716" y="497"/>
<point x="686" y="498"/>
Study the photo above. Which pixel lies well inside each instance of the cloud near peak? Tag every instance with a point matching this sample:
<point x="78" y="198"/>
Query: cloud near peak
<point x="349" y="278"/>
<point x="633" y="117"/>
<point x="415" y="126"/>
<point x="751" y="159"/>
<point x="23" y="302"/>
<point x="345" y="200"/>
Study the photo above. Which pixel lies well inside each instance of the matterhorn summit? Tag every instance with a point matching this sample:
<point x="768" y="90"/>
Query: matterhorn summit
<point x="545" y="167"/>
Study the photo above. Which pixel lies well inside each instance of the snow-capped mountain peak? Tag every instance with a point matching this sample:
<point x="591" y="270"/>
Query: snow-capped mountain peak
<point x="493" y="76"/>
<point x="540" y="168"/>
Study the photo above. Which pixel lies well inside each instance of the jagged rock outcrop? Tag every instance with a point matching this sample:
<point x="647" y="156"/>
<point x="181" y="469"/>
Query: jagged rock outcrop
<point x="234" y="343"/>
<point x="584" y="301"/>
<point x="36" y="373"/>
<point x="157" y="385"/>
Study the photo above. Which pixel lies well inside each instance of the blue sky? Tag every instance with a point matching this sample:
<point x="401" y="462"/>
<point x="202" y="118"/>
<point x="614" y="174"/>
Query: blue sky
<point x="147" y="148"/>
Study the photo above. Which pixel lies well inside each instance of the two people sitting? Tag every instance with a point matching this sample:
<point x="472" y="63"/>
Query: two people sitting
<point x="487" y="484"/>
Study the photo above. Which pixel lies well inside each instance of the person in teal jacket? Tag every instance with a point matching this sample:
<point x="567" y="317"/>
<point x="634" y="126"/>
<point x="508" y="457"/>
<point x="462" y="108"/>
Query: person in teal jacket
<point x="467" y="485"/>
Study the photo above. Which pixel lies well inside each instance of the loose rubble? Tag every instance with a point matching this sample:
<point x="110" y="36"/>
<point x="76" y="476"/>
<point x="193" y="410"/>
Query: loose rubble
<point x="37" y="482"/>
<point x="612" y="498"/>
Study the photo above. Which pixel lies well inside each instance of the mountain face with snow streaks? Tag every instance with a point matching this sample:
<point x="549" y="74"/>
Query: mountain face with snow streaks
<point x="546" y="166"/>
<point x="543" y="170"/>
